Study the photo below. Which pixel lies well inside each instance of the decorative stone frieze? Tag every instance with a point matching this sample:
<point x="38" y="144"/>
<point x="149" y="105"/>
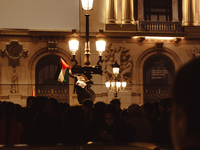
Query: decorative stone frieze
<point x="122" y="56"/>
<point x="193" y="53"/>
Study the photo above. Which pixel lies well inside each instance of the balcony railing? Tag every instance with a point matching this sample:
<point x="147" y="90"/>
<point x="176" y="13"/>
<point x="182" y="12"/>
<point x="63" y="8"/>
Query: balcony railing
<point x="159" y="26"/>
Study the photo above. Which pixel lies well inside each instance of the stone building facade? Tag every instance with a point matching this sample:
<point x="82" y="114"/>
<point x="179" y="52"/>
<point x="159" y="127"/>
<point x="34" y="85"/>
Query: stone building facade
<point x="150" y="41"/>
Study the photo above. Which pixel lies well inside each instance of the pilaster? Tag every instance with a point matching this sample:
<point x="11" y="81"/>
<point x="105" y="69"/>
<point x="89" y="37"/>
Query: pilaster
<point x="175" y="11"/>
<point x="112" y="11"/>
<point x="141" y="10"/>
<point x="127" y="11"/>
<point x="188" y="12"/>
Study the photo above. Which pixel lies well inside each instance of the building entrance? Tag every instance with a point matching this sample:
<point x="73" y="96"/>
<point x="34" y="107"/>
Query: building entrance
<point x="46" y="82"/>
<point x="158" y="75"/>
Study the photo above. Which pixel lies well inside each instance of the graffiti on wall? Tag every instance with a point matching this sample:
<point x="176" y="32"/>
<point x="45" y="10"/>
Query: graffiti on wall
<point x="121" y="55"/>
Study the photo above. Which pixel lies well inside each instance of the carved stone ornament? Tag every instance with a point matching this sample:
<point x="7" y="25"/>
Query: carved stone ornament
<point x="52" y="46"/>
<point x="35" y="40"/>
<point x="159" y="47"/>
<point x="193" y="53"/>
<point x="14" y="51"/>
<point x="122" y="56"/>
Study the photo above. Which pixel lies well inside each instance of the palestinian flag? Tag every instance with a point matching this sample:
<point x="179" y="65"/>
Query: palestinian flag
<point x="64" y="72"/>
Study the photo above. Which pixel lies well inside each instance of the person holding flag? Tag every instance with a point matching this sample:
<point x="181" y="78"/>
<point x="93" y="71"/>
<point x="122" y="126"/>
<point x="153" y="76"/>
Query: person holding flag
<point x="81" y="81"/>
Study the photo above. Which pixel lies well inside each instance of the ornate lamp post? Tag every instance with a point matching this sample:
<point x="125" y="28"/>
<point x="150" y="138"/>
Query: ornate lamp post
<point x="87" y="69"/>
<point x="115" y="86"/>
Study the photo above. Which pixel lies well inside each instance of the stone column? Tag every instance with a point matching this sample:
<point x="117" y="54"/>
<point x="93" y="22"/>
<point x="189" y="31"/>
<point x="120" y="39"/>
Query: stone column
<point x="195" y="10"/>
<point x="141" y="10"/>
<point x="119" y="11"/>
<point x="127" y="9"/>
<point x="112" y="13"/>
<point x="198" y="11"/>
<point x="188" y="12"/>
<point x="175" y="11"/>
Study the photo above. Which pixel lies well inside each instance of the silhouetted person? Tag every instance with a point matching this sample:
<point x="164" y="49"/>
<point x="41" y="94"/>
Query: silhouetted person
<point x="156" y="108"/>
<point x="19" y="114"/>
<point x="151" y="115"/>
<point x="63" y="108"/>
<point x="30" y="101"/>
<point x="11" y="132"/>
<point x="56" y="119"/>
<point x="124" y="115"/>
<point x="137" y="118"/>
<point x="1" y="114"/>
<point x="185" y="124"/>
<point x="117" y="104"/>
<point x="97" y="118"/>
<point x="29" y="115"/>
<point x="87" y="106"/>
<point x="56" y="108"/>
<point x="113" y="130"/>
<point x="44" y="126"/>
<point x="163" y="130"/>
<point x="74" y="126"/>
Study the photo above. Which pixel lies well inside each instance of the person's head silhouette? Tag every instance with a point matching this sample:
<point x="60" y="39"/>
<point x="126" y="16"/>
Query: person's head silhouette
<point x="185" y="126"/>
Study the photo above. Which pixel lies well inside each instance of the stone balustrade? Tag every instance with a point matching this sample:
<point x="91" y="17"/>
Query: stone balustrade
<point x="159" y="26"/>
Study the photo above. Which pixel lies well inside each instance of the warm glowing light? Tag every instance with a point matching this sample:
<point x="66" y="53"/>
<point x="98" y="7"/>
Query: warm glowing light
<point x="115" y="70"/>
<point x="107" y="84"/>
<point x="135" y="37"/>
<point x="20" y="145"/>
<point x="112" y="84"/>
<point x="161" y="38"/>
<point x="90" y="142"/>
<point x="73" y="46"/>
<point x="100" y="45"/>
<point x="123" y="84"/>
<point x="157" y="37"/>
<point x="115" y="85"/>
<point x="87" y="4"/>
<point x="118" y="84"/>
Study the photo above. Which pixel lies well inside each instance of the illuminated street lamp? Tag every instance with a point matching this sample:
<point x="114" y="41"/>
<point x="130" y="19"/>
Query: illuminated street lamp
<point x="87" y="69"/>
<point x="87" y="4"/>
<point x="115" y="86"/>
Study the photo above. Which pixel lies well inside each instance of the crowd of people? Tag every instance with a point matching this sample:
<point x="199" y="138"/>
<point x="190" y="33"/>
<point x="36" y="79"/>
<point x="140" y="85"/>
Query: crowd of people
<point x="169" y="121"/>
<point x="45" y="120"/>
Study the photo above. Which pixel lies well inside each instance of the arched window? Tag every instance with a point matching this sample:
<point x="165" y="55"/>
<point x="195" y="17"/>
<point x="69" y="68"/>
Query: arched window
<point x="158" y="75"/>
<point x="46" y="82"/>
